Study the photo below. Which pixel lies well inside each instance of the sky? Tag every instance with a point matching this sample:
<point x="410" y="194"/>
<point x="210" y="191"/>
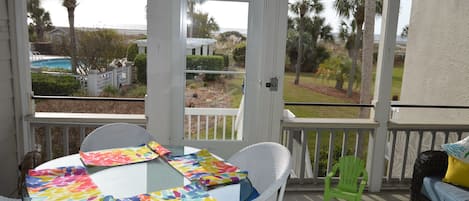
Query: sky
<point x="131" y="14"/>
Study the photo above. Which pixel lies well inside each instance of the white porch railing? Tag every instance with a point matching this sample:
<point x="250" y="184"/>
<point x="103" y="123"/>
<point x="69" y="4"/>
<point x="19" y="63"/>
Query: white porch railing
<point x="328" y="139"/>
<point x="211" y="124"/>
<point x="60" y="134"/>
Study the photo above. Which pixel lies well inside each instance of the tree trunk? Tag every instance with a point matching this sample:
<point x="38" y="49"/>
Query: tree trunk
<point x="191" y="17"/>
<point x="299" y="57"/>
<point x="73" y="41"/>
<point x="356" y="47"/>
<point x="367" y="57"/>
<point x="339" y="84"/>
<point x="367" y="66"/>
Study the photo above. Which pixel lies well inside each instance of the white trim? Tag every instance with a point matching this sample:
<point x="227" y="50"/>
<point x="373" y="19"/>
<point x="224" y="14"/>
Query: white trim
<point x="382" y="96"/>
<point x="165" y="71"/>
<point x="265" y="59"/>
<point x="21" y="73"/>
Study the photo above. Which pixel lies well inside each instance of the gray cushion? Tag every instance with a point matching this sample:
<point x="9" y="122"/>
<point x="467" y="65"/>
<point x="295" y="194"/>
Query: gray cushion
<point x="437" y="190"/>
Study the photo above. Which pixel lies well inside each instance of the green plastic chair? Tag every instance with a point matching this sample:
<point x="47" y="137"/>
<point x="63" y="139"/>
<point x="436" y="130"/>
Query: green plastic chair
<point x="351" y="169"/>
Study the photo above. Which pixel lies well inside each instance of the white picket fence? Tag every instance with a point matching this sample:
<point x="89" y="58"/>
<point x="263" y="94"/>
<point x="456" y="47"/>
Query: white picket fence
<point x="96" y="81"/>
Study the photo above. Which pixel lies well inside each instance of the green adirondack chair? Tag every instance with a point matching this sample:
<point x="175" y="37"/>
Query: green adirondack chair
<point x="350" y="169"/>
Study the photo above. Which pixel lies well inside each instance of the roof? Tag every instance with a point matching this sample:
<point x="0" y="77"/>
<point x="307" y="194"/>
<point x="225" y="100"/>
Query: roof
<point x="190" y="42"/>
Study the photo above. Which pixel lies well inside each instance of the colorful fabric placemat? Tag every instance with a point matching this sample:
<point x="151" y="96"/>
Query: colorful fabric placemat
<point x="118" y="156"/>
<point x="157" y="148"/>
<point x="64" y="183"/>
<point x="191" y="192"/>
<point x="207" y="169"/>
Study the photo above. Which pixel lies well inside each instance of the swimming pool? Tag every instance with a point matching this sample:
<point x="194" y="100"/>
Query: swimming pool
<point x="63" y="63"/>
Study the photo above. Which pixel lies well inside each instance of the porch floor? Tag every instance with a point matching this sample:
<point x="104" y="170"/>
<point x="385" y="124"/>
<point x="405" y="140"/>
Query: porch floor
<point x="394" y="195"/>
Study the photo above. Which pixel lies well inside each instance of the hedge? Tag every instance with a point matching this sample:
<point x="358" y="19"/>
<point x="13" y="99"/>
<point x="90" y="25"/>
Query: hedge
<point x="141" y="64"/>
<point x="132" y="51"/>
<point x="239" y="54"/>
<point x="226" y="59"/>
<point x="52" y="85"/>
<point x="198" y="62"/>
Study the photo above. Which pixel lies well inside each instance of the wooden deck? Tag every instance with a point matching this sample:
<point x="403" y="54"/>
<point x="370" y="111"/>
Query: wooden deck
<point x="399" y="195"/>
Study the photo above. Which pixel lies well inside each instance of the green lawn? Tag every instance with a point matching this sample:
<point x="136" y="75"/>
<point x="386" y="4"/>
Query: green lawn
<point x="294" y="93"/>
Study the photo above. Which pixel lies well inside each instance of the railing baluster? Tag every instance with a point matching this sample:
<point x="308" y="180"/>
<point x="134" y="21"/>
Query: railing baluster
<point x="49" y="143"/>
<point x="344" y="142"/>
<point x="406" y="149"/>
<point x="82" y="134"/>
<point x="330" y="156"/>
<point x="233" y="123"/>
<point x="198" y="127"/>
<point x="206" y="127"/>
<point x="419" y="148"/>
<point x="433" y="140"/>
<point x="224" y="127"/>
<point x="446" y="136"/>
<point x="459" y="135"/>
<point x="65" y="134"/>
<point x="317" y="155"/>
<point x="215" y="127"/>
<point x="189" y="127"/>
<point x="289" y="134"/>
<point x="33" y="138"/>
<point x="357" y="143"/>
<point x="391" y="157"/>
<point x="304" y="143"/>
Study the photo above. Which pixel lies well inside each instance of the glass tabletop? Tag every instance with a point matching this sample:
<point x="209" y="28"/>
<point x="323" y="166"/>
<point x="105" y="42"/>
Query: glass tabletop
<point x="144" y="177"/>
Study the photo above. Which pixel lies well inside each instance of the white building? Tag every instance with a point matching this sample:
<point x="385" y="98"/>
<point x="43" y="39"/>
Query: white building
<point x="194" y="46"/>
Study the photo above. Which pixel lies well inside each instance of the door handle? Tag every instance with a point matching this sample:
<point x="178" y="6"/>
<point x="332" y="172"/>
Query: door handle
<point x="273" y="84"/>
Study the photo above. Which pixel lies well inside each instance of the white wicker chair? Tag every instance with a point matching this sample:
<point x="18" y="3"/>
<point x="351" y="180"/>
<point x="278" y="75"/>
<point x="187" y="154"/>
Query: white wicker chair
<point x="268" y="165"/>
<point x="115" y="135"/>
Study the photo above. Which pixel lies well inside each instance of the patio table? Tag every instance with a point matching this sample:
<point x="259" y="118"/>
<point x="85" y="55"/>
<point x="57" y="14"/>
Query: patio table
<point x="133" y="179"/>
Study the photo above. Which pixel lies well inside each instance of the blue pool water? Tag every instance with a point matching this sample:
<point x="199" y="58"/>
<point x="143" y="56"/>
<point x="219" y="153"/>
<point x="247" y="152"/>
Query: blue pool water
<point x="63" y="63"/>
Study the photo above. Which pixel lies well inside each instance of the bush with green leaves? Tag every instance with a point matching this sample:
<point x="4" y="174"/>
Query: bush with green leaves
<point x="54" y="85"/>
<point x="110" y="91"/>
<point x="198" y="62"/>
<point x="239" y="54"/>
<point x="132" y="51"/>
<point x="141" y="64"/>
<point x="226" y="59"/>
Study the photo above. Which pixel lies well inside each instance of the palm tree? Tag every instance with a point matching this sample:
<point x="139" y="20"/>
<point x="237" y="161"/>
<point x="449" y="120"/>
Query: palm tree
<point x="405" y="31"/>
<point x="191" y="4"/>
<point x="303" y="9"/>
<point x="367" y="66"/>
<point x="355" y="9"/>
<point x="40" y="21"/>
<point x="71" y="5"/>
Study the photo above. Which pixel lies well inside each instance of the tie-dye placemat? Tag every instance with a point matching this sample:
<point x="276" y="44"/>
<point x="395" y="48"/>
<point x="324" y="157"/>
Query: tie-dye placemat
<point x="191" y="192"/>
<point x="207" y="169"/>
<point x="118" y="156"/>
<point x="64" y="183"/>
<point x="156" y="147"/>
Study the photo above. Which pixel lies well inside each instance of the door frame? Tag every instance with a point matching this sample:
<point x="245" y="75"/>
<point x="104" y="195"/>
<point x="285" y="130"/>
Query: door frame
<point x="265" y="58"/>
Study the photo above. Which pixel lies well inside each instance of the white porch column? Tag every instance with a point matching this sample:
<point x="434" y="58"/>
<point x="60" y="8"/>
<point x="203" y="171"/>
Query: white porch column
<point x="382" y="94"/>
<point x="204" y="50"/>
<point x="165" y="69"/>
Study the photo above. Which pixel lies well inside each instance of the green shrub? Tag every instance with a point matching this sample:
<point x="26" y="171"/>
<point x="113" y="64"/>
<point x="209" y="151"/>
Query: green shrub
<point x="110" y="91"/>
<point x="132" y="51"/>
<point x="239" y="54"/>
<point x="226" y="59"/>
<point x="51" y="85"/>
<point x="141" y="64"/>
<point x="138" y="91"/>
<point x="198" y="62"/>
